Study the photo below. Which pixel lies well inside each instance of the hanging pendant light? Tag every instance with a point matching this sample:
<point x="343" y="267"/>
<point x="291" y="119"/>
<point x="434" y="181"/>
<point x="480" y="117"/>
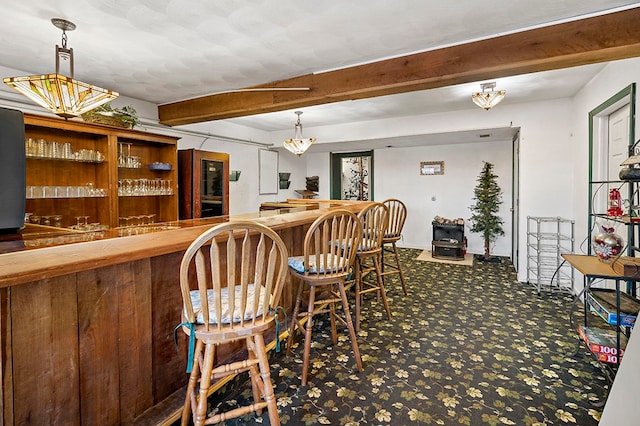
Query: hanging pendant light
<point x="298" y="145"/>
<point x="489" y="97"/>
<point x="60" y="94"/>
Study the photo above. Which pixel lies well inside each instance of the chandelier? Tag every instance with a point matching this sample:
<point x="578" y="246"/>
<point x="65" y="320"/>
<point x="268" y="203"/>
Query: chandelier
<point x="298" y="145"/>
<point x="60" y="94"/>
<point x="489" y="97"/>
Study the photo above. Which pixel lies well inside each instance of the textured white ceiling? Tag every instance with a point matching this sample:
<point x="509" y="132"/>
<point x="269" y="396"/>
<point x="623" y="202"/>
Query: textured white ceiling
<point x="166" y="50"/>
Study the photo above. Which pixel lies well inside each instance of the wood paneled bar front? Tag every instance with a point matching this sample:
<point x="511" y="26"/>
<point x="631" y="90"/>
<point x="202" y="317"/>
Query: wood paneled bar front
<point x="87" y="327"/>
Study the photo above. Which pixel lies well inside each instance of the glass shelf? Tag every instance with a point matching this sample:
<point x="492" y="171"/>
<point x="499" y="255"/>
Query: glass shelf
<point x="145" y="195"/>
<point x="72" y="160"/>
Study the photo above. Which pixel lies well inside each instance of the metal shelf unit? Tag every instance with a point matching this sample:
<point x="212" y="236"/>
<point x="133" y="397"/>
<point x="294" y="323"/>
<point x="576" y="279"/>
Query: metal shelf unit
<point x="548" y="238"/>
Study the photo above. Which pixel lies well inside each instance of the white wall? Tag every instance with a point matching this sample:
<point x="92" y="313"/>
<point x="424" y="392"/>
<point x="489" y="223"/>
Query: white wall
<point x="546" y="166"/>
<point x="450" y="195"/>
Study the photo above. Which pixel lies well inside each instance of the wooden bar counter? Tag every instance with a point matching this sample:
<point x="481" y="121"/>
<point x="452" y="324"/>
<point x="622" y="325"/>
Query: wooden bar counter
<point x="87" y="326"/>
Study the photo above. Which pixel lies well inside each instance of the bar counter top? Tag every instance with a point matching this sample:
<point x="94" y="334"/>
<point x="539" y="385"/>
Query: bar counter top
<point x="87" y="318"/>
<point x="39" y="252"/>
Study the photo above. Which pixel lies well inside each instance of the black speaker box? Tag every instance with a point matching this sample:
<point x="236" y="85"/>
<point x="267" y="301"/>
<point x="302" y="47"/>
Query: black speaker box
<point x="12" y="170"/>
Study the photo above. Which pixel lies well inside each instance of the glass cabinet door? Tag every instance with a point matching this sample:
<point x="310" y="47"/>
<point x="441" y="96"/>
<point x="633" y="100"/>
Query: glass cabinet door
<point x="212" y="188"/>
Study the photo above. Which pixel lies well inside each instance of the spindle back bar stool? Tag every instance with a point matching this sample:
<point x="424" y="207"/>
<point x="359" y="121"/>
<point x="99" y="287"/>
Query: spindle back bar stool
<point x="329" y="252"/>
<point x="397" y="217"/>
<point x="240" y="269"/>
<point x="374" y="220"/>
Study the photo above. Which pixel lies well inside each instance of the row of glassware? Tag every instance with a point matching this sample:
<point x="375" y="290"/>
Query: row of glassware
<point x="64" y="239"/>
<point x="143" y="187"/>
<point x="125" y="159"/>
<point x="40" y="148"/>
<point x="48" y="191"/>
<point x="49" y="220"/>
<point x="145" y="229"/>
<point x="137" y="220"/>
<point x="81" y="222"/>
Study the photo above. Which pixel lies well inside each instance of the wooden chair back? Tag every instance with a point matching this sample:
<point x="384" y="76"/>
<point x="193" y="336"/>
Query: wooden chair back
<point x="397" y="217"/>
<point x="240" y="268"/>
<point x="331" y="242"/>
<point x="374" y="219"/>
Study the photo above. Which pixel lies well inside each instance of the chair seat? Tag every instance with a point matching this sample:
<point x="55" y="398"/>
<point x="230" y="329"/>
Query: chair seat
<point x="225" y="317"/>
<point x="335" y="264"/>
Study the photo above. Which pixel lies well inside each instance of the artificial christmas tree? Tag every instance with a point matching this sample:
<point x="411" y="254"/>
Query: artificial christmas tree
<point x="484" y="220"/>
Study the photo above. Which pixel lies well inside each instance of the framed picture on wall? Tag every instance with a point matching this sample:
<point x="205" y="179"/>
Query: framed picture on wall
<point x="268" y="165"/>
<point x="431" y="168"/>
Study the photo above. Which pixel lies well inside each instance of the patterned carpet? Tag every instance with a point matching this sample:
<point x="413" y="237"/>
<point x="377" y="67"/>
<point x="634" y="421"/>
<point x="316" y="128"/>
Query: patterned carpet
<point x="470" y="345"/>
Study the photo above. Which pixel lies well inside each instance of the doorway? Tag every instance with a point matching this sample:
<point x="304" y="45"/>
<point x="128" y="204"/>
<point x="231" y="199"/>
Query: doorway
<point x="352" y="176"/>
<point x="515" y="201"/>
<point x="611" y="138"/>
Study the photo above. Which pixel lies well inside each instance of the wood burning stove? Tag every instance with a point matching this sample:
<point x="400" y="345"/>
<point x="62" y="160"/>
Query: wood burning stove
<point x="448" y="240"/>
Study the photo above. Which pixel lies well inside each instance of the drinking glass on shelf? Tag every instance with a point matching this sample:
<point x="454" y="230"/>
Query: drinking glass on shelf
<point x="67" y="153"/>
<point x="41" y="150"/>
<point x="48" y="191"/>
<point x="57" y="221"/>
<point x="128" y="186"/>
<point x="46" y="220"/>
<point x="60" y="192"/>
<point x="35" y="219"/>
<point x="121" y="160"/>
<point x="31" y="147"/>
<point x="54" y="151"/>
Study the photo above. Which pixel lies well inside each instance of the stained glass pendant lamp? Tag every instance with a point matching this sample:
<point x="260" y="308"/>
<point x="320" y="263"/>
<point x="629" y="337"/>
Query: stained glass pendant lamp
<point x="298" y="145"/>
<point x="489" y="97"/>
<point x="58" y="93"/>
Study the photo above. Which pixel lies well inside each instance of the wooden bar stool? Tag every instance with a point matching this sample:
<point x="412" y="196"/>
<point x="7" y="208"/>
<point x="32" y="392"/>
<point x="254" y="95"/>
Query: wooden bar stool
<point x="239" y="274"/>
<point x="374" y="220"/>
<point x="328" y="254"/>
<point x="397" y="217"/>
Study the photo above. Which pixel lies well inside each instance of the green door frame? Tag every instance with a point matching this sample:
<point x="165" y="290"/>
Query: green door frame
<point x="626" y="95"/>
<point x="336" y="172"/>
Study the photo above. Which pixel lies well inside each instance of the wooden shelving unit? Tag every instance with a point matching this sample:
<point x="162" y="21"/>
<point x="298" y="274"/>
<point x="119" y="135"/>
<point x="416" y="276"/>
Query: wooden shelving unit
<point x="83" y="190"/>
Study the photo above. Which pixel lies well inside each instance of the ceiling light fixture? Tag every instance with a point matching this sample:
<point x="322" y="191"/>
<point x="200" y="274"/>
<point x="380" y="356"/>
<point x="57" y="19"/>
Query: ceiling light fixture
<point x="60" y="94"/>
<point x="488" y="99"/>
<point x="298" y="145"/>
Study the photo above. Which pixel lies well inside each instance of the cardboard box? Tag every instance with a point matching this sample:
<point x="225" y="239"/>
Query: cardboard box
<point x="627" y="266"/>
<point x="603" y="301"/>
<point x="602" y="343"/>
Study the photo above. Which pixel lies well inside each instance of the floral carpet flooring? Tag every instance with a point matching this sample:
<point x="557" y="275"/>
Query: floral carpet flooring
<point x="469" y="345"/>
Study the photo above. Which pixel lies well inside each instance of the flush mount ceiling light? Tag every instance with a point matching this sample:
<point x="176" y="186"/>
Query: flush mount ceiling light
<point x="298" y="145"/>
<point x="489" y="97"/>
<point x="60" y="94"/>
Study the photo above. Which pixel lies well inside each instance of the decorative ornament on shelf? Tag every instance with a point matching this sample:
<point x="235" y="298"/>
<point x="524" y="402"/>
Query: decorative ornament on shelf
<point x="58" y="93"/>
<point x="607" y="244"/>
<point x="632" y="171"/>
<point x="615" y="203"/>
<point x="126" y="116"/>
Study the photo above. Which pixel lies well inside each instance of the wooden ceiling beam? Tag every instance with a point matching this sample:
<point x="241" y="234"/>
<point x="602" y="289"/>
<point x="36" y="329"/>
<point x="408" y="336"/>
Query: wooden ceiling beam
<point x="598" y="39"/>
